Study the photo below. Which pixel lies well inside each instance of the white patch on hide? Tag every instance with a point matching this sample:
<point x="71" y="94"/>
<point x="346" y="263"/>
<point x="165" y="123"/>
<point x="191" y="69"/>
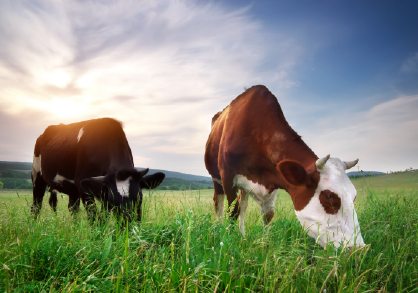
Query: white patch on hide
<point x="276" y="146"/>
<point x="260" y="193"/>
<point x="341" y="227"/>
<point x="123" y="186"/>
<point x="36" y="167"/>
<point x="80" y="133"/>
<point x="59" y="179"/>
<point x="257" y="191"/>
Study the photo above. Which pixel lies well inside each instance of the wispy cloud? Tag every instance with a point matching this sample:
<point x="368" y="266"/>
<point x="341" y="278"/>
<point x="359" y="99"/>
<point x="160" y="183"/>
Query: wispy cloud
<point x="382" y="136"/>
<point x="411" y="64"/>
<point x="164" y="68"/>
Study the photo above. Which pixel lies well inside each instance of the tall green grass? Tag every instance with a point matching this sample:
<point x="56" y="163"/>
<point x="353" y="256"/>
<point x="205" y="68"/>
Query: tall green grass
<point x="181" y="247"/>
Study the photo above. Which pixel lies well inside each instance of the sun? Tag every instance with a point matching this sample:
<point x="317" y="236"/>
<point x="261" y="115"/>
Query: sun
<point x="58" y="78"/>
<point x="65" y="108"/>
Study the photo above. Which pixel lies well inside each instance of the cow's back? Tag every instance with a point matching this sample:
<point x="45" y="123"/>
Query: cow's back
<point x="213" y="143"/>
<point x="251" y="136"/>
<point x="82" y="149"/>
<point x="104" y="147"/>
<point x="57" y="147"/>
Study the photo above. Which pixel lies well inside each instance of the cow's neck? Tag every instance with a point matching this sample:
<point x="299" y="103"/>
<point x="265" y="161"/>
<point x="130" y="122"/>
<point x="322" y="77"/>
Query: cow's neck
<point x="298" y="151"/>
<point x="287" y="146"/>
<point x="121" y="161"/>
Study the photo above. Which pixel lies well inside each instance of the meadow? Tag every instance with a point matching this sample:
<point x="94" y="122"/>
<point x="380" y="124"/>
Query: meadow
<point x="181" y="247"/>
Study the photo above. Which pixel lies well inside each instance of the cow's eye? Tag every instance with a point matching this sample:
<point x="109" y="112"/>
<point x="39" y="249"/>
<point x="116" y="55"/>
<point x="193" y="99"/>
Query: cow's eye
<point x="329" y="196"/>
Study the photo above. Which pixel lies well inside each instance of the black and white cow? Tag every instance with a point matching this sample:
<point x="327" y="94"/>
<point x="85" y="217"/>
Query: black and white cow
<point x="87" y="160"/>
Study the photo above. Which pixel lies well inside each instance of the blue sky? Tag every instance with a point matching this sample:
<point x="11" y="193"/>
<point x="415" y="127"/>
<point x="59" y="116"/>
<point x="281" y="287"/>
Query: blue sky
<point x="344" y="72"/>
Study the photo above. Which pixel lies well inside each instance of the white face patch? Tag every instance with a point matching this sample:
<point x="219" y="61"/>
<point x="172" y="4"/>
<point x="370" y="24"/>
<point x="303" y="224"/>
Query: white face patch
<point x="36" y="167"/>
<point x="123" y="186"/>
<point x="59" y="179"/>
<point x="80" y="133"/>
<point x="342" y="226"/>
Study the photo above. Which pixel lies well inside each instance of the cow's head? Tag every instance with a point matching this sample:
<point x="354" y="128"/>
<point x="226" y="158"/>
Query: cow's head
<point x="323" y="197"/>
<point x="122" y="190"/>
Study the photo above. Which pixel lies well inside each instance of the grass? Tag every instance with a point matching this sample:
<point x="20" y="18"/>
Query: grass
<point x="181" y="247"/>
<point x="396" y="181"/>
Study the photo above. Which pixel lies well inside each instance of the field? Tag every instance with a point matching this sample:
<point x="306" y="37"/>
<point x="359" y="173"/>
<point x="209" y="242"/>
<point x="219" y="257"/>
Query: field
<point x="181" y="247"/>
<point x="396" y="181"/>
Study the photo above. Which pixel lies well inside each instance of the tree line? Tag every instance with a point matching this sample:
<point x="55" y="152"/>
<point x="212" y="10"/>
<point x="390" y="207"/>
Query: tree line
<point x="181" y="184"/>
<point x="11" y="179"/>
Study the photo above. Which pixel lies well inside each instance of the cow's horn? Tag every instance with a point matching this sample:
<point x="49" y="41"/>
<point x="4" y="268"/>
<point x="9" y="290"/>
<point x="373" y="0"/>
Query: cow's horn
<point x="351" y="164"/>
<point x="320" y="163"/>
<point x="98" y="178"/>
<point x="143" y="172"/>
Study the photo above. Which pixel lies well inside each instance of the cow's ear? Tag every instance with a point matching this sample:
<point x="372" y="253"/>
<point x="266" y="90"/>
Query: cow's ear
<point x="293" y="172"/>
<point x="152" y="181"/>
<point x="91" y="186"/>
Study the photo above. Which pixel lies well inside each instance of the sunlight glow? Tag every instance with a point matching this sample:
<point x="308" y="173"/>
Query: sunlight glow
<point x="60" y="107"/>
<point x="65" y="108"/>
<point x="58" y="78"/>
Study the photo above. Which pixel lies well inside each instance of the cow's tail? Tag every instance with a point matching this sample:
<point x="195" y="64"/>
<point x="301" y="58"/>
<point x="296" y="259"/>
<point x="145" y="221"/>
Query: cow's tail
<point x="37" y="150"/>
<point x="216" y="117"/>
<point x="36" y="164"/>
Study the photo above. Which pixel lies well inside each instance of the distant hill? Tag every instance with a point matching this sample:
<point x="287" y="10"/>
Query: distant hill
<point x="355" y="173"/>
<point x="20" y="166"/>
<point x="180" y="184"/>
<point x="396" y="182"/>
<point x="173" y="174"/>
<point x="25" y="166"/>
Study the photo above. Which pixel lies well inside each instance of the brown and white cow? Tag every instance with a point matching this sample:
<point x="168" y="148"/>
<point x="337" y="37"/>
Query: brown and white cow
<point x="253" y="149"/>
<point x="87" y="160"/>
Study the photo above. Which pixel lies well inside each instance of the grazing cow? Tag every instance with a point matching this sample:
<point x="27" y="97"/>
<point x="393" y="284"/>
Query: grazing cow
<point x="252" y="148"/>
<point x="87" y="160"/>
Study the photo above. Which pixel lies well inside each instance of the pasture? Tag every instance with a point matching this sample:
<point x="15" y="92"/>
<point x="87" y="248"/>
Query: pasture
<point x="181" y="247"/>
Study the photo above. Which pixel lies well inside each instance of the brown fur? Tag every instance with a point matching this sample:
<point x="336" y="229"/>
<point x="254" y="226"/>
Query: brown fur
<point x="251" y="137"/>
<point x="330" y="201"/>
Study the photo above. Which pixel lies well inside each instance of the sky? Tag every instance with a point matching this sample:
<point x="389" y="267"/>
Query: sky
<point x="344" y="72"/>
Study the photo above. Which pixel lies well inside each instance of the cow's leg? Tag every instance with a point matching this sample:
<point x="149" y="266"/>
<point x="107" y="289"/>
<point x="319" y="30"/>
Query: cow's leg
<point x="219" y="199"/>
<point x="71" y="190"/>
<point x="39" y="187"/>
<point x="53" y="200"/>
<point x="267" y="208"/>
<point x="139" y="210"/>
<point x="74" y="204"/>
<point x="243" y="203"/>
<point x="90" y="206"/>
<point x="231" y="194"/>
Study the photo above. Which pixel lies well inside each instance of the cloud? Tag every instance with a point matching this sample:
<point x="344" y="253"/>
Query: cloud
<point x="382" y="136"/>
<point x="18" y="135"/>
<point x="411" y="64"/>
<point x="164" y="68"/>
